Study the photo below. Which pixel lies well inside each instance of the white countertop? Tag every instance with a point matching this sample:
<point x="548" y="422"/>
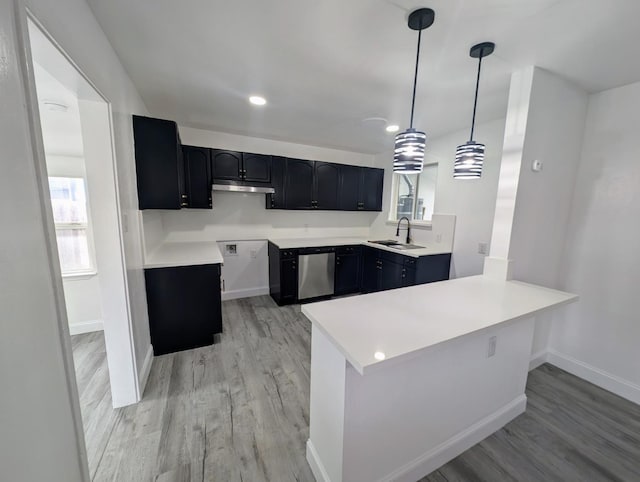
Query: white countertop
<point x="293" y="243"/>
<point x="401" y="322"/>
<point x="173" y="254"/>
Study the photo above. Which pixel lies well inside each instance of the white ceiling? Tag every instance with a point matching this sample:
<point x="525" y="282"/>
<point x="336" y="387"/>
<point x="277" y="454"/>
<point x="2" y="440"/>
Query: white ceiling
<point x="325" y="66"/>
<point x="61" y="130"/>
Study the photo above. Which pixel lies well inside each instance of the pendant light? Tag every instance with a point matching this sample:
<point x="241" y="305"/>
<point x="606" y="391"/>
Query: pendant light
<point x="470" y="156"/>
<point x="408" y="156"/>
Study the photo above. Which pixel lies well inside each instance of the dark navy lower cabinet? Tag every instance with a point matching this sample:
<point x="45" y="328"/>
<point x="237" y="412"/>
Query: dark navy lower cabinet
<point x="358" y="269"/>
<point x="347" y="272"/>
<point x="184" y="305"/>
<point x="384" y="270"/>
<point x="283" y="275"/>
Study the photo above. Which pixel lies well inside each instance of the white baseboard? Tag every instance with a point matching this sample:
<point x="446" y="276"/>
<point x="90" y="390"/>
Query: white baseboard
<point x="613" y="383"/>
<point x="459" y="443"/>
<point x="248" y="293"/>
<point x="143" y="376"/>
<point x="538" y="359"/>
<point x="317" y="469"/>
<point x="86" y="327"/>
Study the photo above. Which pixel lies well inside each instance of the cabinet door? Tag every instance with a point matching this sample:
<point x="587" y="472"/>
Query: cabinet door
<point x="299" y="184"/>
<point x="347" y="274"/>
<point x="408" y="276"/>
<point x="288" y="280"/>
<point x="197" y="163"/>
<point x="256" y="168"/>
<point x="327" y="179"/>
<point x="227" y="165"/>
<point x="278" y="170"/>
<point x="390" y="275"/>
<point x="159" y="171"/>
<point x="348" y="193"/>
<point x="433" y="268"/>
<point x="371" y="189"/>
<point x="184" y="307"/>
<point x="370" y="271"/>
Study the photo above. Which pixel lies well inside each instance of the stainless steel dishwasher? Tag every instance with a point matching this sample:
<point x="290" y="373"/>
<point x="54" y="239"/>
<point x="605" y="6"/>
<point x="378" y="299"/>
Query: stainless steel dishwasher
<point x="316" y="267"/>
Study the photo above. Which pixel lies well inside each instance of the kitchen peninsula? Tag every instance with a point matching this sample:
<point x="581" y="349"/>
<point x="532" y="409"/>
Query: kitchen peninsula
<point x="402" y="381"/>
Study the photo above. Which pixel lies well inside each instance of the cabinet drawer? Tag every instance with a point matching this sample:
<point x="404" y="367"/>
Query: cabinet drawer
<point x="348" y="250"/>
<point x="410" y="262"/>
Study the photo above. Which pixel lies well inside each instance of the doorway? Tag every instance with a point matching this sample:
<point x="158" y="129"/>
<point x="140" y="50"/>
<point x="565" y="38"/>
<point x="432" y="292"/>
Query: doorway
<point x="75" y="120"/>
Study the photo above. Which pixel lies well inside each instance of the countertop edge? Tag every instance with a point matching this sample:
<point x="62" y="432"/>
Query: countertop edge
<point x="418" y="253"/>
<point x="164" y="256"/>
<point x="374" y="366"/>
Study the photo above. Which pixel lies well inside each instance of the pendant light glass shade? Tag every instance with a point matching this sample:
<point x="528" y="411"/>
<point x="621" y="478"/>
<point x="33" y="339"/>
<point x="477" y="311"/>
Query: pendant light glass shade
<point x="408" y="156"/>
<point x="469" y="161"/>
<point x="470" y="156"/>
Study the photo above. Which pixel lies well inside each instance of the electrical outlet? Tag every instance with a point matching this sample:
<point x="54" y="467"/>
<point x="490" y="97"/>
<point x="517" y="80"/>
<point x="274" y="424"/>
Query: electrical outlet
<point x="254" y="253"/>
<point x="438" y="238"/>
<point x="306" y="228"/>
<point x="492" y="346"/>
<point x="231" y="250"/>
<point x="483" y="248"/>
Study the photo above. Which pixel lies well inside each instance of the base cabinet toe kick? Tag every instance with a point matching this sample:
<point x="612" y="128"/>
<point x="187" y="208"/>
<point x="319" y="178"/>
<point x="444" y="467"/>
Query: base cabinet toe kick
<point x="304" y="274"/>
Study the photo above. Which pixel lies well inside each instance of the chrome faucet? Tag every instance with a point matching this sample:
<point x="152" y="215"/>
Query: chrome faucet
<point x="408" y="228"/>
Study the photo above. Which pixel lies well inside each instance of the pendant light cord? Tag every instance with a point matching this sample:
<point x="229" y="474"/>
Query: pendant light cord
<point x="475" y="101"/>
<point x="415" y="80"/>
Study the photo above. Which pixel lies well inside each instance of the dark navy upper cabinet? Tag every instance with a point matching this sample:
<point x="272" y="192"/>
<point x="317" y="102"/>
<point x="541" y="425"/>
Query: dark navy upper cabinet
<point x="360" y="188"/>
<point x="326" y="189"/>
<point x="276" y="200"/>
<point x="371" y="186"/>
<point x="349" y="189"/>
<point x="226" y="165"/>
<point x="299" y="182"/>
<point x="231" y="167"/>
<point x="197" y="166"/>
<point x="159" y="164"/>
<point x="256" y="168"/>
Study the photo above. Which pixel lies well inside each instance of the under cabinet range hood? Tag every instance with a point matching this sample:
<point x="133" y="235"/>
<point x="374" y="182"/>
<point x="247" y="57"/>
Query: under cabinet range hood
<point x="239" y="188"/>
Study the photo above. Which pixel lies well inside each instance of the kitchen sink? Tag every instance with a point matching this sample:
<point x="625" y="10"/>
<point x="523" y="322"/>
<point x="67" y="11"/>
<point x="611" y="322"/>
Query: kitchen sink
<point x="387" y="242"/>
<point x="407" y="246"/>
<point x="390" y="243"/>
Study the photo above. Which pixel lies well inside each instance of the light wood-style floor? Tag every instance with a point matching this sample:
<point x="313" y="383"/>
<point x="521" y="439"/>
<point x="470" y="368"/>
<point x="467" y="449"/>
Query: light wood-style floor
<point x="238" y="411"/>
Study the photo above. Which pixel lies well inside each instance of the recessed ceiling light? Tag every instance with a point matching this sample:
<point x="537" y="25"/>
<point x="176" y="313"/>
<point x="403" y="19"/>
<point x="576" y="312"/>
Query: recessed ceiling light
<point x="379" y="355"/>
<point x="392" y="128"/>
<point x="257" y="100"/>
<point x="55" y="106"/>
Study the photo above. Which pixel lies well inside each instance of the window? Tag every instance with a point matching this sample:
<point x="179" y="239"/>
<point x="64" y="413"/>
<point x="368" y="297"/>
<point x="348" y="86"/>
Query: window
<point x="414" y="195"/>
<point x="71" y="218"/>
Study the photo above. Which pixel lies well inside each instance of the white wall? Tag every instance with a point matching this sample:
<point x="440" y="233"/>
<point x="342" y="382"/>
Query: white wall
<point x="245" y="273"/>
<point x="84" y="305"/>
<point x="41" y="428"/>
<point x="554" y="130"/>
<point x="471" y="201"/>
<point x="89" y="48"/>
<point x="599" y="337"/>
